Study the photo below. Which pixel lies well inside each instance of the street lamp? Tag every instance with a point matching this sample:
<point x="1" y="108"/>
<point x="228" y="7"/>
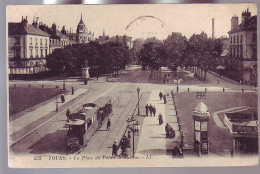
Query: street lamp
<point x="138" y="91"/>
<point x="57" y="107"/>
<point x="64" y="87"/>
<point x="177" y="81"/>
<point x="134" y="127"/>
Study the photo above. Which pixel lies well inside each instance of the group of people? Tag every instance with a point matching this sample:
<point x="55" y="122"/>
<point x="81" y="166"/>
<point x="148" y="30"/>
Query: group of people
<point x="150" y="109"/>
<point x="124" y="144"/>
<point x="170" y="132"/>
<point x="161" y="96"/>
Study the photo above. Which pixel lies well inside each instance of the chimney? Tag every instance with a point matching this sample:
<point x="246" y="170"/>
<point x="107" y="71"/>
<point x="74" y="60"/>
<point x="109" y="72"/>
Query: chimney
<point x="24" y="22"/>
<point x="234" y="22"/>
<point x="213" y="28"/>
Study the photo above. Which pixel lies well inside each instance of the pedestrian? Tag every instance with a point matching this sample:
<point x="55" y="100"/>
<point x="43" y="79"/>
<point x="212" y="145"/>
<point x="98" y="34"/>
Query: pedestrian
<point x="154" y="111"/>
<point x="151" y="109"/>
<point x="108" y="124"/>
<point x="168" y="78"/>
<point x="62" y="98"/>
<point x="85" y="81"/>
<point x="175" y="152"/>
<point x="114" y="149"/>
<point x="72" y="90"/>
<point x="68" y="114"/>
<point x="147" y="109"/>
<point x="164" y="99"/>
<point x="160" y="95"/>
<point x="167" y="130"/>
<point x="164" y="80"/>
<point x="171" y="132"/>
<point x="160" y="119"/>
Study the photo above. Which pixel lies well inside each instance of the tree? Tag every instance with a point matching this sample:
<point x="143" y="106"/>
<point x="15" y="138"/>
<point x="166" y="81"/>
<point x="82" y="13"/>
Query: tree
<point x="175" y="46"/>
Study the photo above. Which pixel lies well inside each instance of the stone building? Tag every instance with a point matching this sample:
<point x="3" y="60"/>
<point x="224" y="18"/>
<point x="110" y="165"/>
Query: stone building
<point x="58" y="39"/>
<point x="124" y="40"/>
<point x="82" y="33"/>
<point x="28" y="47"/>
<point x="241" y="63"/>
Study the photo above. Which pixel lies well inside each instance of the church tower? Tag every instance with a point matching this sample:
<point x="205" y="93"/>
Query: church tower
<point x="82" y="32"/>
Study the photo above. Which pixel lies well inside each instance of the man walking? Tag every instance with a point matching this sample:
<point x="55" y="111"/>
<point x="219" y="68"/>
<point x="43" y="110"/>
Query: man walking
<point x="160" y="95"/>
<point x="114" y="149"/>
<point x="147" y="109"/>
<point x="164" y="99"/>
<point x="154" y="111"/>
<point x="62" y="98"/>
<point x="108" y="124"/>
<point x="72" y="91"/>
<point x="151" y="109"/>
<point x="68" y="114"/>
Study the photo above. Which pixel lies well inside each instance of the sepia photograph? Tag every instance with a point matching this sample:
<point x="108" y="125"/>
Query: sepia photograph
<point x="147" y="85"/>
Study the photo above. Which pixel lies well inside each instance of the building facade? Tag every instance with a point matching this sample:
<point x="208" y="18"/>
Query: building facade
<point x="242" y="58"/>
<point x="57" y="39"/>
<point x="28" y="47"/>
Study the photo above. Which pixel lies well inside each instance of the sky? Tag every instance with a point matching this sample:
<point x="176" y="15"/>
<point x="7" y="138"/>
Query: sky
<point x="113" y="19"/>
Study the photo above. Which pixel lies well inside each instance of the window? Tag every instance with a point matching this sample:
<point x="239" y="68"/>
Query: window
<point x="41" y="52"/>
<point x="36" y="41"/>
<point x="17" y="53"/>
<point x="41" y="41"/>
<point x="230" y="39"/>
<point x="241" y="51"/>
<point x="46" y="42"/>
<point x="36" y="52"/>
<point x="234" y="39"/>
<point x="31" y="52"/>
<point x="237" y="38"/>
<point x="46" y="52"/>
<point x="30" y="41"/>
<point x="241" y="39"/>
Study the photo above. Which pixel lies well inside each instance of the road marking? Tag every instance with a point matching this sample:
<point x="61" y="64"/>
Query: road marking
<point x="12" y="143"/>
<point x="217" y="119"/>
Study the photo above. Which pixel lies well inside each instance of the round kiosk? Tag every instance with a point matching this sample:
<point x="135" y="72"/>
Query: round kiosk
<point x="200" y="117"/>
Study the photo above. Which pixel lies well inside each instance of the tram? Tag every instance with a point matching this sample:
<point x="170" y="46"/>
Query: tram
<point x="86" y="120"/>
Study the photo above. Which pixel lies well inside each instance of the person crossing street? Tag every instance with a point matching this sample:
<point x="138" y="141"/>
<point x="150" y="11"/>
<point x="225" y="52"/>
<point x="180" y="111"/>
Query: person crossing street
<point x="108" y="124"/>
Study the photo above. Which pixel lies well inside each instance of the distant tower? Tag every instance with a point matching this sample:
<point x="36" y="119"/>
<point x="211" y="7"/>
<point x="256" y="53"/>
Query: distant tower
<point x="213" y="28"/>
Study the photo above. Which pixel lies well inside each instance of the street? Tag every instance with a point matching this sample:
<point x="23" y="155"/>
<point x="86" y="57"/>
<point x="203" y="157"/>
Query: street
<point x="45" y="131"/>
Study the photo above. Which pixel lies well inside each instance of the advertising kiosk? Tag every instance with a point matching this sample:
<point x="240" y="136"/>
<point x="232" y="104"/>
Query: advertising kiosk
<point x="200" y="117"/>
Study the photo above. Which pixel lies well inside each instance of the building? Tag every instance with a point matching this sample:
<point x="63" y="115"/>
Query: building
<point x="243" y="126"/>
<point x="124" y="40"/>
<point x="241" y="63"/>
<point x="28" y="47"/>
<point x="82" y="33"/>
<point x="58" y="39"/>
<point x="103" y="39"/>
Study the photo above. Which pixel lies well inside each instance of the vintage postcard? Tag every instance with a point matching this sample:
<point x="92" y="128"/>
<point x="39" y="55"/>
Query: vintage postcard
<point x="159" y="85"/>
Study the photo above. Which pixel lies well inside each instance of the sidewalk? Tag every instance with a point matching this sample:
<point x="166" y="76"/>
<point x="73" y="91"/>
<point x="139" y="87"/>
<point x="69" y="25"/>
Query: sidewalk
<point x="32" y="117"/>
<point x="152" y="139"/>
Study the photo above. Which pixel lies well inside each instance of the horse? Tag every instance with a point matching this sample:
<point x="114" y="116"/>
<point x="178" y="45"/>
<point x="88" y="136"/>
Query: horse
<point x="177" y="81"/>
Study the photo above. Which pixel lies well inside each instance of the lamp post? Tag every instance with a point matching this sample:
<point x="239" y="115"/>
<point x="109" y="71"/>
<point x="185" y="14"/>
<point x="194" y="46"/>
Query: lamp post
<point x="64" y="87"/>
<point x="138" y="91"/>
<point x="133" y="125"/>
<point x="57" y="107"/>
<point x="177" y="81"/>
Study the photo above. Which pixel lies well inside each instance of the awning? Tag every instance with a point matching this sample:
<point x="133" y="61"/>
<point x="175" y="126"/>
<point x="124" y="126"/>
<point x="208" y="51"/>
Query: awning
<point x="220" y="67"/>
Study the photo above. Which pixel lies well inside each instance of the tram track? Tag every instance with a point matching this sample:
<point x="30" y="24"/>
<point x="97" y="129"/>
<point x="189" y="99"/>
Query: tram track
<point x="75" y="102"/>
<point x="108" y="138"/>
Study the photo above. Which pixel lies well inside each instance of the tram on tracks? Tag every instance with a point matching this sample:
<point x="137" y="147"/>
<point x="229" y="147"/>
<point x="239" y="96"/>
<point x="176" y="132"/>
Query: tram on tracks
<point x="86" y="120"/>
